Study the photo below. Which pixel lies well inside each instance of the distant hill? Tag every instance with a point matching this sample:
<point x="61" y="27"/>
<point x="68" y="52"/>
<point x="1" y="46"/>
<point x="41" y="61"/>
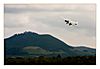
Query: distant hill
<point x="31" y="43"/>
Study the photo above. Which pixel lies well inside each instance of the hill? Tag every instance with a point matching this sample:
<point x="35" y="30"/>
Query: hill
<point x="31" y="43"/>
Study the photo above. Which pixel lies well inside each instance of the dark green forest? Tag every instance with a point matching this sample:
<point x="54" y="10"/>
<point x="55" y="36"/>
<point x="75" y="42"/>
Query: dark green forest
<point x="41" y="60"/>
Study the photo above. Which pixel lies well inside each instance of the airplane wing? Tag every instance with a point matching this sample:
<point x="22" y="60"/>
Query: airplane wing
<point x="66" y="21"/>
<point x="70" y="24"/>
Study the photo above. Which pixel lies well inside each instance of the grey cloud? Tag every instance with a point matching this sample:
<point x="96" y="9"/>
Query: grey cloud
<point x="12" y="24"/>
<point x="21" y="10"/>
<point x="47" y="8"/>
<point x="44" y="19"/>
<point x="85" y="23"/>
<point x="14" y="21"/>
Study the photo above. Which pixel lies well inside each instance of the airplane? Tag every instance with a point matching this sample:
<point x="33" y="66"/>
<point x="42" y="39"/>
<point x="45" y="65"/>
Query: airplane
<point x="70" y="22"/>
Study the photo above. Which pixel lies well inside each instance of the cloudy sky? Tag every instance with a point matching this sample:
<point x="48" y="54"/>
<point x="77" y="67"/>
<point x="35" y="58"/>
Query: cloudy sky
<point x="49" y="19"/>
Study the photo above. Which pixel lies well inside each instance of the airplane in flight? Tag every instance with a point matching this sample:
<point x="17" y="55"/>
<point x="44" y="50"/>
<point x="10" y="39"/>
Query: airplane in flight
<point x="70" y="22"/>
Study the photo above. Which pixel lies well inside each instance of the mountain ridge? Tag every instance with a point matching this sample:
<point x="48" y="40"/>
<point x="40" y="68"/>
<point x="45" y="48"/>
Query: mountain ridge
<point x="44" y="42"/>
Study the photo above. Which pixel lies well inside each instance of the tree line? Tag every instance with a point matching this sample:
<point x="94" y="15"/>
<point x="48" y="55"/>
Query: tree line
<point x="42" y="60"/>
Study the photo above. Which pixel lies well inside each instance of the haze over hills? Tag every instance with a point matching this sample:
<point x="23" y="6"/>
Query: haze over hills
<point x="31" y="43"/>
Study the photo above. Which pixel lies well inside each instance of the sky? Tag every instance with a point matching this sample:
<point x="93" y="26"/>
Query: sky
<point x="49" y="19"/>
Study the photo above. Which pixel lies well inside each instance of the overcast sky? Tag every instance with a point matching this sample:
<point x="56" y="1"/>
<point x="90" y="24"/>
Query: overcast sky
<point x="49" y="19"/>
